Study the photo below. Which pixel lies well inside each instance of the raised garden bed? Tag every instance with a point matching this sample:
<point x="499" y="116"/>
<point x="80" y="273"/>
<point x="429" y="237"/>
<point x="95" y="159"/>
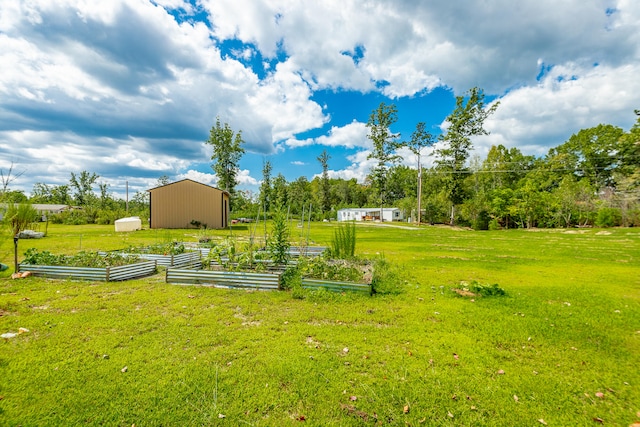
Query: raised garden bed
<point x="105" y="274"/>
<point x="187" y="259"/>
<point x="86" y="266"/>
<point x="336" y="286"/>
<point x="225" y="279"/>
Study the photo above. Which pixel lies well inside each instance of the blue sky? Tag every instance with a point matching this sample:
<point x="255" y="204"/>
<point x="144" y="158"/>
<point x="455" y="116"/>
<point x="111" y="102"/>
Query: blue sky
<point x="130" y="88"/>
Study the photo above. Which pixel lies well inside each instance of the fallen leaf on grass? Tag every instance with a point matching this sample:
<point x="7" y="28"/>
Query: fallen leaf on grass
<point x="598" y="420"/>
<point x="500" y="372"/>
<point x="301" y="418"/>
<point x="449" y="414"/>
<point x="455" y="356"/>
<point x="515" y="398"/>
<point x="125" y="369"/>
<point x="405" y="410"/>
<point x="541" y="421"/>
<point x="353" y="398"/>
<point x="600" y="394"/>
<point x="221" y="416"/>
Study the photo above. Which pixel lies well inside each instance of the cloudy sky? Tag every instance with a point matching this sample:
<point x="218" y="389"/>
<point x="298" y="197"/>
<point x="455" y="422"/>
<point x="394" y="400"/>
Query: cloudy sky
<point x="129" y="89"/>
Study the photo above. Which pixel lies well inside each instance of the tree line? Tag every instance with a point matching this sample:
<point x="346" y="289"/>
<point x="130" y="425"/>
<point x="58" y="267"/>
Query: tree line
<point x="592" y="179"/>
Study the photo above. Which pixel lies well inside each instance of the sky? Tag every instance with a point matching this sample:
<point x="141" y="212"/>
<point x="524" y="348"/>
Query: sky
<point x="129" y="89"/>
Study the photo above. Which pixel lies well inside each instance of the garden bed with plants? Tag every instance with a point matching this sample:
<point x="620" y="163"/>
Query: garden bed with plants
<point x="300" y="268"/>
<point x="170" y="254"/>
<point x="86" y="265"/>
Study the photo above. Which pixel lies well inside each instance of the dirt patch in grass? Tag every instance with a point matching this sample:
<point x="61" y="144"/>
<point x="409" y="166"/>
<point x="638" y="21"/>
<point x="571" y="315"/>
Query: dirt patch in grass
<point x="464" y="292"/>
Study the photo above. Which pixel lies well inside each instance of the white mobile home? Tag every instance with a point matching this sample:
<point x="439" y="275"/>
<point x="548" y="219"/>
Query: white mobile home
<point x="370" y="214"/>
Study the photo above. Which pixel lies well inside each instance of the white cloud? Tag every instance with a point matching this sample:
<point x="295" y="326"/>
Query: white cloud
<point x="353" y="135"/>
<point x="359" y="168"/>
<point x="203" y="178"/>
<point x="244" y="178"/>
<point x="569" y="98"/>
<point x="122" y="87"/>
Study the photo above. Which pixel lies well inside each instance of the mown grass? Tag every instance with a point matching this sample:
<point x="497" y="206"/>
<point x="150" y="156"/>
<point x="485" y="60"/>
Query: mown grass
<point x="568" y="328"/>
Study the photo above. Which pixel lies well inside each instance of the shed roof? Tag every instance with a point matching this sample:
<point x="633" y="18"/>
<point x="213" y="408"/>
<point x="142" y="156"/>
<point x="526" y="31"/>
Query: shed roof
<point x="189" y="180"/>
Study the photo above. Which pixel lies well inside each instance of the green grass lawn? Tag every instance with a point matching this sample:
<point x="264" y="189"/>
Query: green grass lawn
<point x="562" y="348"/>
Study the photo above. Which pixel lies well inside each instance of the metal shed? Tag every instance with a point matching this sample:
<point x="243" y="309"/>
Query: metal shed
<point x="188" y="204"/>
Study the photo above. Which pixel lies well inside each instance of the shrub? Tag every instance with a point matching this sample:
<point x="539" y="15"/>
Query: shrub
<point x="485" y="290"/>
<point x="608" y="217"/>
<point x="385" y="280"/>
<point x="482" y="221"/>
<point x="291" y="279"/>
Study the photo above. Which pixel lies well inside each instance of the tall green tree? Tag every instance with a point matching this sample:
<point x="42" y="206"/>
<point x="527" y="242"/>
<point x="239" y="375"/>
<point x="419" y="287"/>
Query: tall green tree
<point x="227" y="152"/>
<point x="300" y="194"/>
<point x="504" y="167"/>
<point x="82" y="185"/>
<point x="385" y="144"/>
<point x="592" y="154"/>
<point x="265" y="186"/>
<point x="325" y="188"/>
<point x="280" y="191"/>
<point x="420" y="139"/>
<point x="466" y="121"/>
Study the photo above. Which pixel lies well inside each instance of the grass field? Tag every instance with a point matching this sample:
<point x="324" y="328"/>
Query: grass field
<point x="562" y="348"/>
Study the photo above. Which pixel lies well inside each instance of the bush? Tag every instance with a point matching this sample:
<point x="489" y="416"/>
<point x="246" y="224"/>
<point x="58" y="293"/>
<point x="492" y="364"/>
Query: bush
<point x="482" y="221"/>
<point x="494" y="225"/>
<point x="386" y="280"/>
<point x="483" y="290"/>
<point x="608" y="217"/>
<point x="291" y="279"/>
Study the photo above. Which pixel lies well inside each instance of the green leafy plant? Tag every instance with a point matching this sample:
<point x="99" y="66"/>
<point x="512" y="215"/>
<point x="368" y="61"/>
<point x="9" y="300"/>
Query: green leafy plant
<point x="81" y="259"/>
<point x="168" y="248"/>
<point x="339" y="270"/>
<point x="476" y="288"/>
<point x="386" y="279"/>
<point x="18" y="218"/>
<point x="278" y="243"/>
<point x="343" y="244"/>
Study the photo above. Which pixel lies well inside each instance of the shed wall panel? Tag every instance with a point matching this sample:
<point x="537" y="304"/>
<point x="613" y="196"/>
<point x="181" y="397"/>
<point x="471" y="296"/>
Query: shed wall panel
<point x="177" y="205"/>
